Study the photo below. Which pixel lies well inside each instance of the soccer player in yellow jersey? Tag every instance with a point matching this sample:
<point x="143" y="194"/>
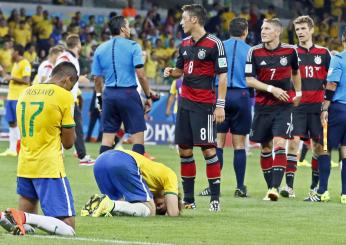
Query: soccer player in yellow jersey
<point x="133" y="185"/>
<point x="45" y="118"/>
<point x="19" y="81"/>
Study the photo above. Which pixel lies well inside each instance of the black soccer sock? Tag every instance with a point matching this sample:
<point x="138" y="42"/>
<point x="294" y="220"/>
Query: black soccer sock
<point x="104" y="148"/>
<point x="305" y="149"/>
<point x="214" y="176"/>
<point x="219" y="153"/>
<point x="279" y="165"/>
<point x="291" y="169"/>
<point x="188" y="174"/>
<point x="139" y="148"/>
<point x="315" y="174"/>
<point x="266" y="165"/>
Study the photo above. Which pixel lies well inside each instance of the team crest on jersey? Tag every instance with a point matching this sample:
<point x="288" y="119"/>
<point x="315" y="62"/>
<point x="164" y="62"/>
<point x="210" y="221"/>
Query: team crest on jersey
<point x="318" y="60"/>
<point x="201" y="54"/>
<point x="283" y="61"/>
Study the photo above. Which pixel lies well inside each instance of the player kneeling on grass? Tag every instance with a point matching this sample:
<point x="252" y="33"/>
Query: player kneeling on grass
<point x="132" y="185"/>
<point x="45" y="119"/>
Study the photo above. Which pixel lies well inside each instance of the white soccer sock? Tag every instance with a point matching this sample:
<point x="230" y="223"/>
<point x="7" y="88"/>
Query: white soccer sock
<point x="49" y="224"/>
<point x="17" y="133"/>
<point x="131" y="209"/>
<point x="5" y="223"/>
<point x="13" y="139"/>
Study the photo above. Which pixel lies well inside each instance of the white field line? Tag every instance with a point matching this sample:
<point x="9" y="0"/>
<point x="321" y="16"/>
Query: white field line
<point x="95" y="240"/>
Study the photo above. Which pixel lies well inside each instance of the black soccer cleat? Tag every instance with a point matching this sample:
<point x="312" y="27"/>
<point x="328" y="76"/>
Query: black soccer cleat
<point x="241" y="192"/>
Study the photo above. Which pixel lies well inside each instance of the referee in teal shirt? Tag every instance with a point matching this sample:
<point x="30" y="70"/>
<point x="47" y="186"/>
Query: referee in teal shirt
<point x="115" y="66"/>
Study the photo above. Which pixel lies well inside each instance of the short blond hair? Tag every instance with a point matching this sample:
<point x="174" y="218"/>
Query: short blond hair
<point x="304" y="19"/>
<point x="72" y="41"/>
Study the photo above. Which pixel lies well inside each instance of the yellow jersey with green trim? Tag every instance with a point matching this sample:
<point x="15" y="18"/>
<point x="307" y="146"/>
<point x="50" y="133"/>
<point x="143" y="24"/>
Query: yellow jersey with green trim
<point x="19" y="70"/>
<point x="42" y="111"/>
<point x="158" y="176"/>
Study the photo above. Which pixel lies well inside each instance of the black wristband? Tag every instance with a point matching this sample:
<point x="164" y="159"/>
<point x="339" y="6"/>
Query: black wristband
<point x="328" y="95"/>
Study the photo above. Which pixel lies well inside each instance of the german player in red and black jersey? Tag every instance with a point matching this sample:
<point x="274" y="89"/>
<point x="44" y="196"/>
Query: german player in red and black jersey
<point x="269" y="69"/>
<point x="201" y="57"/>
<point x="313" y="65"/>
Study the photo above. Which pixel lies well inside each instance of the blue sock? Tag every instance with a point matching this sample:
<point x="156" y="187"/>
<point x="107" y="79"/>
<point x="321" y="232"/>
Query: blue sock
<point x="219" y="153"/>
<point x="104" y="148"/>
<point x="343" y="176"/>
<point x="239" y="164"/>
<point x="139" y="148"/>
<point x="324" y="169"/>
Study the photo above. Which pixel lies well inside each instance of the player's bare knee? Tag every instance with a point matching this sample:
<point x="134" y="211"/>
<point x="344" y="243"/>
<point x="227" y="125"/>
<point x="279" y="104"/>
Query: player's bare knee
<point x="267" y="147"/>
<point x="208" y="151"/>
<point x="343" y="151"/>
<point x="185" y="150"/>
<point x="238" y="142"/>
<point x="138" y="138"/>
<point x="293" y="145"/>
<point x="221" y="139"/>
<point x="279" y="142"/>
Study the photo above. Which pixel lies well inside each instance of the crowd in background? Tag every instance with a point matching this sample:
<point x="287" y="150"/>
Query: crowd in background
<point x="159" y="36"/>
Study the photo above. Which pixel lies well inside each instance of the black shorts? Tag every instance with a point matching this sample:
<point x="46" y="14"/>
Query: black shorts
<point x="307" y="122"/>
<point x="238" y="112"/>
<point x="195" y="128"/>
<point x="271" y="121"/>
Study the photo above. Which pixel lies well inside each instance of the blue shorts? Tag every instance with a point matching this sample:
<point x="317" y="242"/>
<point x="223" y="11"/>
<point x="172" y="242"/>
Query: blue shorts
<point x="122" y="105"/>
<point x="238" y="112"/>
<point x="336" y="125"/>
<point x="118" y="176"/>
<point x="54" y="194"/>
<point x="11" y="111"/>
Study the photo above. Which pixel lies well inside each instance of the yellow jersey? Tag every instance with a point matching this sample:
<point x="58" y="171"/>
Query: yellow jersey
<point x="6" y="59"/>
<point x="174" y="92"/>
<point x="36" y="18"/>
<point x="22" y="36"/>
<point x="42" y="110"/>
<point x="3" y="31"/>
<point x="158" y="176"/>
<point x="45" y="29"/>
<point x="31" y="57"/>
<point x="19" y="70"/>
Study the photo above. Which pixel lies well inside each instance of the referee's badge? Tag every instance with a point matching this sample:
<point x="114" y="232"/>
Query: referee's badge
<point x="283" y="61"/>
<point x="201" y="54"/>
<point x="318" y="60"/>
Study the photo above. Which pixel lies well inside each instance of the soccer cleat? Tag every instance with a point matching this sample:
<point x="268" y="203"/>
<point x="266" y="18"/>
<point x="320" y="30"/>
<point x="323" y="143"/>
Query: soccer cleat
<point x="5" y="223"/>
<point x="266" y="197"/>
<point x="273" y="194"/>
<point x="343" y="199"/>
<point x="304" y="163"/>
<point x="205" y="192"/>
<point x="17" y="218"/>
<point x="98" y="205"/>
<point x="334" y="164"/>
<point x="315" y="197"/>
<point x="214" y="206"/>
<point x="8" y="153"/>
<point x="241" y="192"/>
<point x="188" y="205"/>
<point x="287" y="192"/>
<point x="86" y="161"/>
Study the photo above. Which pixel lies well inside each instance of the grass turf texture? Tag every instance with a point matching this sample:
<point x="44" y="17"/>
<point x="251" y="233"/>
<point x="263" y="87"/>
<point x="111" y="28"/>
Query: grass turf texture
<point x="241" y="221"/>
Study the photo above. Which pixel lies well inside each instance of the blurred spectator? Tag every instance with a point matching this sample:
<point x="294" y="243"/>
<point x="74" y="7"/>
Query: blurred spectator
<point x="3" y="28"/>
<point x="129" y="11"/>
<point x="227" y="16"/>
<point x="271" y="13"/>
<point x="6" y="55"/>
<point x="45" y="29"/>
<point x="30" y="54"/>
<point x="21" y="34"/>
<point x="156" y="16"/>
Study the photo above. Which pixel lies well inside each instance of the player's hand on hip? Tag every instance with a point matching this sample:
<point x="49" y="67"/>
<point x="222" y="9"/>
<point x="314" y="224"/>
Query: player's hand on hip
<point x="280" y="94"/>
<point x="296" y="100"/>
<point x="167" y="72"/>
<point x="324" y="117"/>
<point x="219" y="115"/>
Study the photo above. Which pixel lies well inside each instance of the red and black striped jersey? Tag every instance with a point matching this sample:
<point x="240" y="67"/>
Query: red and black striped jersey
<point x="313" y="66"/>
<point x="273" y="67"/>
<point x="200" y="62"/>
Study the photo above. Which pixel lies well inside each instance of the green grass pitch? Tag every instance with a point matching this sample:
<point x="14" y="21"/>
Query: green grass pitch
<point x="241" y="221"/>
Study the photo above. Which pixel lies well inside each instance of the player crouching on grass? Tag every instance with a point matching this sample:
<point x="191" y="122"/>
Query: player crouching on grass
<point x="45" y="119"/>
<point x="132" y="185"/>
